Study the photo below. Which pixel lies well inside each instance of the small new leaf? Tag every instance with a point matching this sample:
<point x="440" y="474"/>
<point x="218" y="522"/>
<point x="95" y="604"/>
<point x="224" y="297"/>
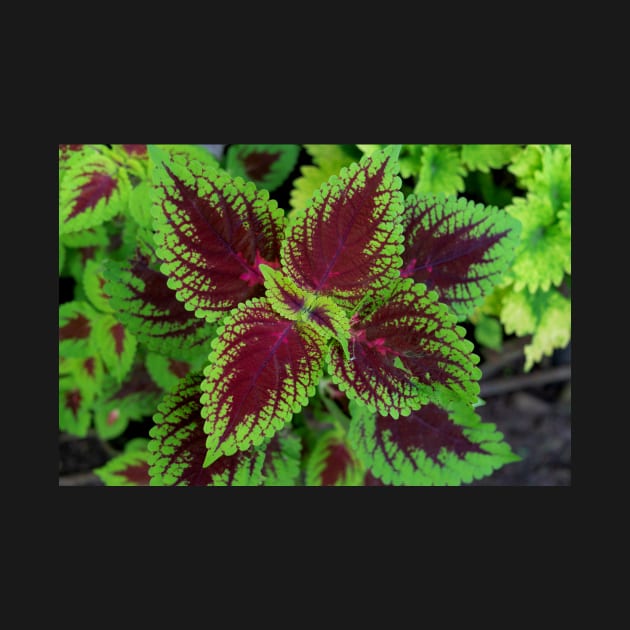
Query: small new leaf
<point x="294" y="303"/>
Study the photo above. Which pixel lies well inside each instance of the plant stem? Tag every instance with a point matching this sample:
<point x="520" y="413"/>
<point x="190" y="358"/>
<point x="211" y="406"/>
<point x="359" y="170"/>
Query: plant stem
<point x="331" y="406"/>
<point x="524" y="381"/>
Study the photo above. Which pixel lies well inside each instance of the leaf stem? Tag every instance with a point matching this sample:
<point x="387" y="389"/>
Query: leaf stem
<point x="340" y="418"/>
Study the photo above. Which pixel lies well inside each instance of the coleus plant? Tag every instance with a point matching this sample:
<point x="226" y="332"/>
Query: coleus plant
<point x="533" y="299"/>
<point x="322" y="346"/>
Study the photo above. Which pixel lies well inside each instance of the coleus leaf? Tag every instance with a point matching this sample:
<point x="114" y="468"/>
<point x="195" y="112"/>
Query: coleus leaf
<point x="403" y="351"/>
<point x="76" y="324"/>
<point x="93" y="189"/>
<point x="483" y="157"/>
<point x="62" y="257"/>
<point x="143" y="302"/>
<point x="291" y="302"/>
<point x="526" y="163"/>
<point x="111" y="419"/>
<point x="133" y="150"/>
<point x="66" y="151"/>
<point x="178" y="445"/>
<point x="212" y="233"/>
<point x="129" y="468"/>
<point x="93" y="285"/>
<point x="116" y="345"/>
<point x="167" y="372"/>
<point x="346" y="243"/>
<point x="138" y="393"/>
<point x="440" y="444"/>
<point x="457" y="247"/>
<point x="441" y="171"/>
<point x="119" y="404"/>
<point x="368" y="149"/>
<point x="88" y="373"/>
<point x="281" y="466"/>
<point x="410" y="160"/>
<point x="546" y="315"/>
<point x="134" y="158"/>
<point x="263" y="368"/>
<point x="141" y="205"/>
<point x="328" y="160"/>
<point x="184" y="153"/>
<point x="552" y="180"/>
<point x="564" y="219"/>
<point x="91" y="237"/>
<point x="76" y="259"/>
<point x="75" y="410"/>
<point x="488" y="332"/>
<point x="267" y="165"/>
<point x="332" y="462"/>
<point x="543" y="255"/>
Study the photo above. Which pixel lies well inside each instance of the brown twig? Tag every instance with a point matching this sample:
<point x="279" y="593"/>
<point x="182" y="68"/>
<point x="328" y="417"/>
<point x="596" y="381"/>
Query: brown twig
<point x="524" y="381"/>
<point x="512" y="352"/>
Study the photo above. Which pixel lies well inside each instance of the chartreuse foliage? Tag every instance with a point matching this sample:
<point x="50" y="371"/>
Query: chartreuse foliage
<point x="319" y="344"/>
<point x="534" y="297"/>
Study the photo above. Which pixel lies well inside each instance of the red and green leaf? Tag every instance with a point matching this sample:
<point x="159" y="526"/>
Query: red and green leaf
<point x="130" y="468"/>
<point x="185" y="153"/>
<point x="91" y="237"/>
<point x="76" y="324"/>
<point x="346" y="243"/>
<point x="166" y="371"/>
<point x="94" y="284"/>
<point x="328" y="159"/>
<point x="332" y="462"/>
<point x="116" y="345"/>
<point x="457" y="247"/>
<point x="138" y="390"/>
<point x="282" y="464"/>
<point x="263" y="369"/>
<point x="403" y="352"/>
<point x="134" y="399"/>
<point x="267" y="165"/>
<point x="94" y="188"/>
<point x="438" y="445"/>
<point x="147" y="307"/>
<point x="178" y="445"/>
<point x="111" y="418"/>
<point x="88" y="374"/>
<point x="212" y="233"/>
<point x="75" y="409"/>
